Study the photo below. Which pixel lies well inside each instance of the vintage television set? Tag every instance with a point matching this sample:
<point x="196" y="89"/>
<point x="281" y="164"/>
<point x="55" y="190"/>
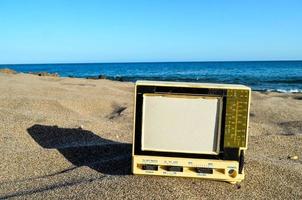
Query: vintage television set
<point x="190" y="130"/>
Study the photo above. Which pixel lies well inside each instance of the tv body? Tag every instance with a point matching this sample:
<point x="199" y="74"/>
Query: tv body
<point x="190" y="129"/>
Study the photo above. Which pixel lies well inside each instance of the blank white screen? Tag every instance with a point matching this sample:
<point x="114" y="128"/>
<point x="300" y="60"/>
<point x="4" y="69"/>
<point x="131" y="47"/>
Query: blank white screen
<point x="174" y="123"/>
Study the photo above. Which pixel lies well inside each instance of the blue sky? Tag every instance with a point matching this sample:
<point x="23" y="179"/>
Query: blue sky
<point x="57" y="31"/>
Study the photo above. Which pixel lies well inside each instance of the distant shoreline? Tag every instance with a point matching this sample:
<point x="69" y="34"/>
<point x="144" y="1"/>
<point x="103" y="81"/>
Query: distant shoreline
<point x="279" y="76"/>
<point x="102" y="77"/>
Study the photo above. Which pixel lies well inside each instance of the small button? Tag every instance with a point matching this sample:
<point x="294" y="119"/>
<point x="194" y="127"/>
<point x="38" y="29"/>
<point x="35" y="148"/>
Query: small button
<point x="150" y="167"/>
<point x="174" y="168"/>
<point x="204" y="170"/>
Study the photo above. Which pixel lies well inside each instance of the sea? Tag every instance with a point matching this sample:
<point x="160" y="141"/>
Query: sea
<point x="279" y="76"/>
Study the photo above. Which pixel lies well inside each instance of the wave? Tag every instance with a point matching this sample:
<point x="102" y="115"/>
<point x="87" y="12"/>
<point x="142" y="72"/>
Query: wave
<point x="284" y="90"/>
<point x="255" y="87"/>
<point x="288" y="81"/>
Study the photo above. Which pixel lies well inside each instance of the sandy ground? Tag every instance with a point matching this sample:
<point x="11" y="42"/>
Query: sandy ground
<point x="44" y="153"/>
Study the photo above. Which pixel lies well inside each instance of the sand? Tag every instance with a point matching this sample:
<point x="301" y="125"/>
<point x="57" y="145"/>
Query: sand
<point x="71" y="138"/>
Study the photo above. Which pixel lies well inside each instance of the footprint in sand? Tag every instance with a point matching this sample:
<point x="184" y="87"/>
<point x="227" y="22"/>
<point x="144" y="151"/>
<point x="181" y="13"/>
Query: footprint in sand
<point x="298" y="97"/>
<point x="291" y="127"/>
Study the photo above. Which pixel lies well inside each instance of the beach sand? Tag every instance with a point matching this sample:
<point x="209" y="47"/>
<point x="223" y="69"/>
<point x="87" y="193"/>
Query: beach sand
<point x="71" y="138"/>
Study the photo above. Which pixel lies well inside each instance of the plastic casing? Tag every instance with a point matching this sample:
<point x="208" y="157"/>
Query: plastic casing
<point x="236" y="135"/>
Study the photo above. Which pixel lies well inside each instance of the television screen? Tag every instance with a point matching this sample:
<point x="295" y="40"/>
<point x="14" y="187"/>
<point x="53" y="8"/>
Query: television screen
<point x="179" y="123"/>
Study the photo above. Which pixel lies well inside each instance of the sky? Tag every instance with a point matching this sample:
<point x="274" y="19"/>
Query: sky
<point x="71" y="31"/>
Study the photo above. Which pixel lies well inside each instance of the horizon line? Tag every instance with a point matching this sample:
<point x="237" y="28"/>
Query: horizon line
<point x="137" y="62"/>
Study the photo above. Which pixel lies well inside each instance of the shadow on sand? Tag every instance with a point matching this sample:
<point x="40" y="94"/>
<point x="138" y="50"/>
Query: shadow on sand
<point x="84" y="148"/>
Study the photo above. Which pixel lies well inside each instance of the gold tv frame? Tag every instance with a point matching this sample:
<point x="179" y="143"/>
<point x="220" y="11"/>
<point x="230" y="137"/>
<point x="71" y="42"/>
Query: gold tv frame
<point x="228" y="164"/>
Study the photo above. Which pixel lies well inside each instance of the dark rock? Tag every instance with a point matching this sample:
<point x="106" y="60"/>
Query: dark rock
<point x="119" y="79"/>
<point x="117" y="111"/>
<point x="45" y="74"/>
<point x="102" y="76"/>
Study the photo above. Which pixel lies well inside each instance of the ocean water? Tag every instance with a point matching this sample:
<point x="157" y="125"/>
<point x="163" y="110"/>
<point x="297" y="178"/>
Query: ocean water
<point x="282" y="76"/>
